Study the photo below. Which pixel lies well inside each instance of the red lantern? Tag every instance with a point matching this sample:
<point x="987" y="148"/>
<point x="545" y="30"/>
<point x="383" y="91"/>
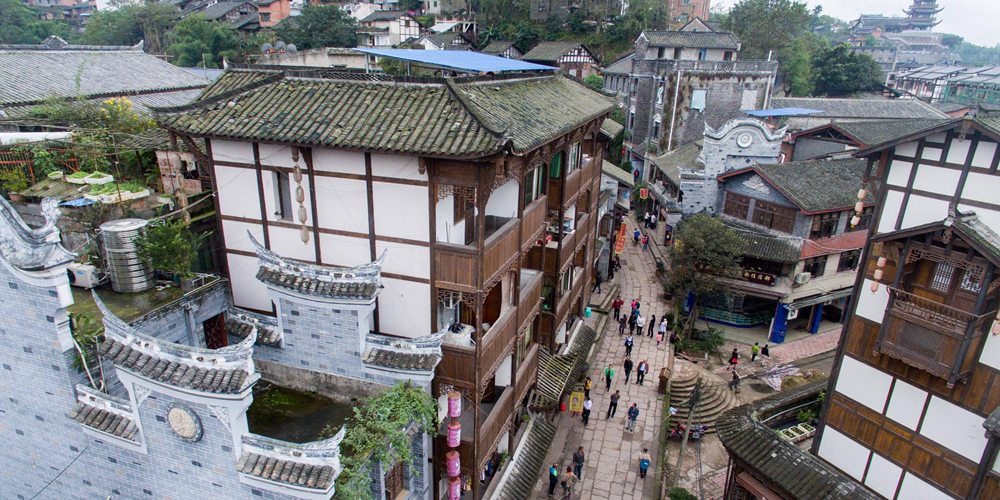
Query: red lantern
<point x="454" y="434"/>
<point x="454" y="404"/>
<point x="454" y="488"/>
<point x="454" y="465"/>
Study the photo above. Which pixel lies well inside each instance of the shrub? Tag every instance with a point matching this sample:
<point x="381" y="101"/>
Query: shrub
<point x="806" y="416"/>
<point x="13" y="180"/>
<point x="171" y="247"/>
<point x="681" y="494"/>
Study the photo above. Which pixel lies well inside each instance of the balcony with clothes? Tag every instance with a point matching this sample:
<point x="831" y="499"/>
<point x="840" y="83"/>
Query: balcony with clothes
<point x="942" y="300"/>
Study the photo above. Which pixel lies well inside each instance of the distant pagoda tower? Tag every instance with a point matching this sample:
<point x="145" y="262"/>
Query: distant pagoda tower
<point x="920" y="15"/>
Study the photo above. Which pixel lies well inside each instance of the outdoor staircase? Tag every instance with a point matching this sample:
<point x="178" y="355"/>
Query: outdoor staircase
<point x="518" y="478"/>
<point x="716" y="397"/>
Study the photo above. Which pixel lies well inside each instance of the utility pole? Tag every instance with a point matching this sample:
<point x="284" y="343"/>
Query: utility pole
<point x="693" y="402"/>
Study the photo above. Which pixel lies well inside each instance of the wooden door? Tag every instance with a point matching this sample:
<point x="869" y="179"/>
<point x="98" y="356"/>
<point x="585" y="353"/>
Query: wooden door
<point x="215" y="332"/>
<point x="395" y="481"/>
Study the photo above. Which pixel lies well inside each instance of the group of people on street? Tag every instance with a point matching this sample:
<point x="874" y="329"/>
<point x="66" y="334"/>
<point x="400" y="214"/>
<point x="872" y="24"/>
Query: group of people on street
<point x="755" y="350"/>
<point x="636" y="321"/>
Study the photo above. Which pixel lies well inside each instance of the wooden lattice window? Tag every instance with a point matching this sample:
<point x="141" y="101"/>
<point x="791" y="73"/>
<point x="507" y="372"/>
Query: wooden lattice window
<point x="395" y="481"/>
<point x="737" y="205"/>
<point x="815" y="266"/>
<point x="774" y="216"/>
<point x="941" y="280"/>
<point x="824" y="225"/>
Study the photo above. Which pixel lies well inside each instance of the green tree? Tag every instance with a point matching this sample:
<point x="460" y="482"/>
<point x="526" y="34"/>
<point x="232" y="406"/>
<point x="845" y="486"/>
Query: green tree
<point x="840" y="71"/>
<point x="767" y="25"/>
<point x="319" y="26"/>
<point x="797" y="64"/>
<point x="704" y="253"/>
<point x="131" y="22"/>
<point x="410" y="5"/>
<point x="172" y="247"/>
<point x="21" y="24"/>
<point x="952" y="41"/>
<point x="594" y="81"/>
<point x="199" y="42"/>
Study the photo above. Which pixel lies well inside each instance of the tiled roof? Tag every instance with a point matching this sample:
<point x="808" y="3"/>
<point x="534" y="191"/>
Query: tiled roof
<point x="200" y="378"/>
<point x="304" y="475"/>
<point x="797" y="473"/>
<point x="55" y="43"/>
<point x="383" y="15"/>
<point x="219" y="9"/>
<point x="622" y="66"/>
<point x="517" y="481"/>
<point x="852" y="240"/>
<point x="869" y="133"/>
<point x="496" y="47"/>
<point x="316" y="287"/>
<point x="763" y="243"/>
<point x="238" y="324"/>
<point x="682" y="158"/>
<point x="975" y="229"/>
<point x="446" y="38"/>
<point x="950" y="107"/>
<point x="400" y="360"/>
<point x="31" y="76"/>
<point x="550" y="52"/>
<point x="104" y="421"/>
<point x="890" y="109"/>
<point x="611" y="128"/>
<point x="620" y="175"/>
<point x="692" y="39"/>
<point x="815" y="185"/>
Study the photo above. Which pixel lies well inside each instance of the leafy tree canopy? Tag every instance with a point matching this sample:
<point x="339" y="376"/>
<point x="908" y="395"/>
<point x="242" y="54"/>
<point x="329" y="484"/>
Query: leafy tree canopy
<point x="594" y="81"/>
<point x="767" y="25"/>
<point x="199" y="42"/>
<point x="21" y="24"/>
<point x="319" y="26"/>
<point x="840" y="71"/>
<point x="131" y="22"/>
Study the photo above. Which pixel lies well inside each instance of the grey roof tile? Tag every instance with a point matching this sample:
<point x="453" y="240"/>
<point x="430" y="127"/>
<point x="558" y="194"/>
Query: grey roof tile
<point x="693" y="39"/>
<point x="896" y="109"/>
<point x="763" y="243"/>
<point x="622" y="66"/>
<point x="496" y="47"/>
<point x="518" y="479"/>
<point x="870" y="133"/>
<point x="550" y="52"/>
<point x="816" y="185"/>
<point x="104" y="421"/>
<point x="304" y="475"/>
<point x="316" y="287"/>
<point x="193" y="377"/>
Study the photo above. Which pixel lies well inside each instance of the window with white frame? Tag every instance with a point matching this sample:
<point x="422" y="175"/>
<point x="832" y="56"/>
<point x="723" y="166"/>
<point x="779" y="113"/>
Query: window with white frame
<point x="574" y="157"/>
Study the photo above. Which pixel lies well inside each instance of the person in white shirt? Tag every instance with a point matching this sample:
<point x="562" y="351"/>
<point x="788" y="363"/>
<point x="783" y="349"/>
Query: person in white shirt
<point x="587" y="405"/>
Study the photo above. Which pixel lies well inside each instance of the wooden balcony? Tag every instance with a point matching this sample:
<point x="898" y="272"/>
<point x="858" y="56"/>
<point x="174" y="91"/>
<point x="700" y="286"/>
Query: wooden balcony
<point x="568" y="248"/>
<point x="533" y="220"/>
<point x="571" y="185"/>
<point x="526" y="374"/>
<point x="494" y="426"/>
<point x="457" y="366"/>
<point x="531" y="294"/>
<point x="500" y="248"/>
<point x="497" y="341"/>
<point x="934" y="337"/>
<point x="456" y="264"/>
<point x="568" y="298"/>
<point x="587" y="172"/>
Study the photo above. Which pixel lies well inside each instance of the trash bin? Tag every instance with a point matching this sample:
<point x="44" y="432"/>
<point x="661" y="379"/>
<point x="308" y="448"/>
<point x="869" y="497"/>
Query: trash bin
<point x="586" y="312"/>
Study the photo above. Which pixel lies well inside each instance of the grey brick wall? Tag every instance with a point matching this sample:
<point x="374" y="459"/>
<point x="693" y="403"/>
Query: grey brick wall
<point x="170" y="321"/>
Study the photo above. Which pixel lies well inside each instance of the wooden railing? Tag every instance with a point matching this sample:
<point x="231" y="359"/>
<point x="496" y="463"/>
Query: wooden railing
<point x="526" y="374"/>
<point x="934" y="337"/>
<point x="587" y="172"/>
<point x="500" y="247"/>
<point x="457" y="366"/>
<point x="582" y="228"/>
<point x="494" y="425"/>
<point x="531" y="293"/>
<point x="571" y="184"/>
<point x="455" y="264"/>
<point x="568" y="248"/>
<point x="533" y="218"/>
<point x="496" y="341"/>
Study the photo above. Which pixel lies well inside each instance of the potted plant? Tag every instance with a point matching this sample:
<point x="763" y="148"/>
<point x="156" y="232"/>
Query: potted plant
<point x="77" y="177"/>
<point x="172" y="247"/>
<point x="660" y="267"/>
<point x="98" y="178"/>
<point x="12" y="182"/>
<point x="55" y="175"/>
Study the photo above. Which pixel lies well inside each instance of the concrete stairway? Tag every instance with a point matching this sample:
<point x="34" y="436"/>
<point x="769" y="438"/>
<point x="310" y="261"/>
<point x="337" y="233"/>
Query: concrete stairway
<point x="715" y="395"/>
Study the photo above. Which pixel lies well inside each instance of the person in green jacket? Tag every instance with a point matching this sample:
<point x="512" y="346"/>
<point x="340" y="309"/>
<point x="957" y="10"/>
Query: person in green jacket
<point x="754" y="351"/>
<point x="608" y="373"/>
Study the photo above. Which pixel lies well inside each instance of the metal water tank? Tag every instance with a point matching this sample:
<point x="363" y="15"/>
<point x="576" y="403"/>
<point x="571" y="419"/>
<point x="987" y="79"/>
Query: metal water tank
<point x="128" y="272"/>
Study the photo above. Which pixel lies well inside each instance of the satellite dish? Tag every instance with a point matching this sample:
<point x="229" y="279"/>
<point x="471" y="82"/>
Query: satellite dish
<point x="291" y="48"/>
<point x="279" y="45"/>
<point x="265" y="48"/>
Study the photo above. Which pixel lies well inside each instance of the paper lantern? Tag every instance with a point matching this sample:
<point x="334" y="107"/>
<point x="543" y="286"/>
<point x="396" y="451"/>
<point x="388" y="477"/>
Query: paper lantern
<point x="454" y="465"/>
<point x="300" y="194"/>
<point x="454" y="434"/>
<point x="861" y="194"/>
<point x="881" y="261"/>
<point x="454" y="404"/>
<point x="859" y="207"/>
<point x="878" y="274"/>
<point x="454" y="488"/>
<point x="304" y="234"/>
<point x="874" y="287"/>
<point x="996" y="328"/>
<point x="855" y="221"/>
<point x="297" y="173"/>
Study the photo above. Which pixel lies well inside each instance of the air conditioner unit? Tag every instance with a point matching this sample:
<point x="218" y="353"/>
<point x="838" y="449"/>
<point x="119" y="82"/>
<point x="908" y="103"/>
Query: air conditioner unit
<point x="84" y="275"/>
<point x="802" y="278"/>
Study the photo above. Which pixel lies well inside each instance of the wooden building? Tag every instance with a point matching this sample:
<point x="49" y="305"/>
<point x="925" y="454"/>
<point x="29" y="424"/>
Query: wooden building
<point x="573" y="57"/>
<point x="483" y="191"/>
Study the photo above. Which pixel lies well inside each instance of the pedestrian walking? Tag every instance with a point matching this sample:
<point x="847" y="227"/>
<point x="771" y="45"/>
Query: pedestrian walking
<point x="617" y="306"/>
<point x="633" y="414"/>
<point x="734" y="384"/>
<point x="567" y="483"/>
<point x="587" y="406"/>
<point x="628" y="368"/>
<point x="632" y="310"/>
<point x="640" y="322"/>
<point x="611" y="272"/>
<point x="613" y="407"/>
<point x="652" y="222"/>
<point x="631" y="324"/>
<point x="645" y="220"/>
<point x="764" y="355"/>
<point x="578" y="459"/>
<point x="608" y="373"/>
<point x="553" y="479"/>
<point x="662" y="331"/>
<point x="652" y="325"/>
<point x="734" y="359"/>
<point x="629" y="342"/>
<point x="645" y="243"/>
<point x="640" y="374"/>
<point x="587" y="386"/>
<point x="644" y="460"/>
<point x="597" y="283"/>
<point x="635" y="238"/>
<point x="618" y="263"/>
<point x="621" y="326"/>
<point x="754" y="349"/>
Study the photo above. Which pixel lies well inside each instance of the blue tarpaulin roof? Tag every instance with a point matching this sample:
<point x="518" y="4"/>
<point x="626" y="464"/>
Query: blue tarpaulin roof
<point x="766" y="113"/>
<point x="457" y="60"/>
<point x="79" y="202"/>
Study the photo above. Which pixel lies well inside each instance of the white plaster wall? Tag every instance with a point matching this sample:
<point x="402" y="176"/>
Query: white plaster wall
<point x="899" y="173"/>
<point x="958" y="151"/>
<point x="938" y="138"/>
<point x="890" y="211"/>
<point x="401" y="211"/>
<point x="447" y="230"/>
<point x="503" y="376"/>
<point x="345" y="251"/>
<point x="936" y="179"/>
<point x="955" y="428"/>
<point x="883" y="476"/>
<point x="405" y="308"/>
<point x="907" y="149"/>
<point x="871" y="305"/>
<point x="832" y="261"/>
<point x="237" y="191"/>
<point x="982" y="187"/>
<point x="561" y="334"/>
<point x="983" y="157"/>
<point x="503" y="200"/>
<point x="241" y="152"/>
<point x="268" y="180"/>
<point x="407" y="260"/>
<point x="906" y="403"/>
<point x="843" y="453"/>
<point x="400" y="167"/>
<point x="922" y="210"/>
<point x="236" y="237"/>
<point x="287" y="242"/>
<point x="915" y="488"/>
<point x="342" y="204"/>
<point x="247" y="291"/>
<point x="991" y="352"/>
<point x="330" y="160"/>
<point x="279" y="156"/>
<point x="932" y="154"/>
<point x="863" y="384"/>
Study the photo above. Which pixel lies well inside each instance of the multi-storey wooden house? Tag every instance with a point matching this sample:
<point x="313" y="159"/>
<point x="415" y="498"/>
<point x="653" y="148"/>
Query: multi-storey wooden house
<point x="481" y="191"/>
<point x="917" y="373"/>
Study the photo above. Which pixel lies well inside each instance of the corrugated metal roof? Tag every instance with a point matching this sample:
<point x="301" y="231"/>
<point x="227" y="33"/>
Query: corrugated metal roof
<point x="458" y="60"/>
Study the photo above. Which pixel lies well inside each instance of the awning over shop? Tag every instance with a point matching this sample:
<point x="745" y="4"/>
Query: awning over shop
<point x="819" y="299"/>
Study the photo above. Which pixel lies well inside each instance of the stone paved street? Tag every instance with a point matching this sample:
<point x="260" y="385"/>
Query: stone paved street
<point x="612" y="469"/>
<point x="787" y="352"/>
